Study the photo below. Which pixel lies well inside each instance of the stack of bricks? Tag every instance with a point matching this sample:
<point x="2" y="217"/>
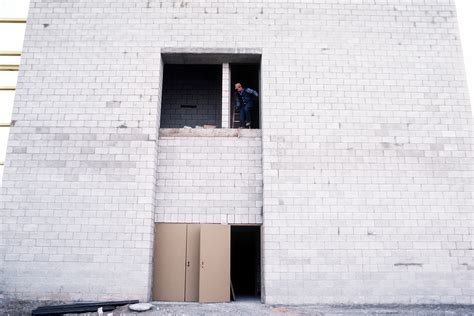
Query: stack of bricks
<point x="366" y="148"/>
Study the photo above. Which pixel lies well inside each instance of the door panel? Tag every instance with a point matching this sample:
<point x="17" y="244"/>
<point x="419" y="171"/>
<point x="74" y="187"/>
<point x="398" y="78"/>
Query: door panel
<point x="192" y="263"/>
<point x="214" y="276"/>
<point x="169" y="262"/>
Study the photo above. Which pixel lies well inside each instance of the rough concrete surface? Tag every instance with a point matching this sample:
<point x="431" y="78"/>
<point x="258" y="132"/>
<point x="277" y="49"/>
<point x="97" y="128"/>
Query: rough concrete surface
<point x="256" y="308"/>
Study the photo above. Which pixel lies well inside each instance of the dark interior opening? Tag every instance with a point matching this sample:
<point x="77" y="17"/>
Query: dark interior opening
<point x="192" y="96"/>
<point x="249" y="76"/>
<point x="245" y="262"/>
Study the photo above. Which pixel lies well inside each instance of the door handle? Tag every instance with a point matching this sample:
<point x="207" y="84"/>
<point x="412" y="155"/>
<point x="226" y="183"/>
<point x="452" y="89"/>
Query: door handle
<point x="202" y="264"/>
<point x="188" y="264"/>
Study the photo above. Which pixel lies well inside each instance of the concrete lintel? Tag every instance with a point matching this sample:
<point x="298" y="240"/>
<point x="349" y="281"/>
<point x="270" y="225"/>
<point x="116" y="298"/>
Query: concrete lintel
<point x="191" y="55"/>
<point x="217" y="50"/>
<point x="209" y="132"/>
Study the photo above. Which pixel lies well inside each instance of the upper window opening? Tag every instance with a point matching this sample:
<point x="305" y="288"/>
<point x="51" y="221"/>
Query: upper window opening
<point x="192" y="96"/>
<point x="213" y="90"/>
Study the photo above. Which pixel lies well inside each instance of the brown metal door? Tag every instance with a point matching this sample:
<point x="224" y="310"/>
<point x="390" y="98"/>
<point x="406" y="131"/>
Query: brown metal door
<point x="214" y="275"/>
<point x="192" y="263"/>
<point x="169" y="262"/>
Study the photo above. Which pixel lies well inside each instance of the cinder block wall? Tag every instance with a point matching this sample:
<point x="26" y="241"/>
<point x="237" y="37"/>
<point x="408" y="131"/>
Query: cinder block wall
<point x="209" y="176"/>
<point x="192" y="96"/>
<point x="78" y="194"/>
<point x="367" y="147"/>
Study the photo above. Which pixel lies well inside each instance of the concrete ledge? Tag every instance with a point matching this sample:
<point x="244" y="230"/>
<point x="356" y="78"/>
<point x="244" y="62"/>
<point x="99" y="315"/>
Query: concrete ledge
<point x="215" y="50"/>
<point x="209" y="132"/>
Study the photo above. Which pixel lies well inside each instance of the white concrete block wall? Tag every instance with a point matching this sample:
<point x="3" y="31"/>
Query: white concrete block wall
<point x="367" y="146"/>
<point x="209" y="176"/>
<point x="367" y="152"/>
<point x="225" y="103"/>
<point x="78" y="189"/>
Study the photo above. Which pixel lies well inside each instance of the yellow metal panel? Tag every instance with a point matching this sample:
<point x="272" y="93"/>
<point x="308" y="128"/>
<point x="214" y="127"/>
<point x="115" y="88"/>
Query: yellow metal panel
<point x="214" y="276"/>
<point x="9" y="67"/>
<point x="192" y="263"/>
<point x="12" y="20"/>
<point x="10" y="53"/>
<point x="169" y="268"/>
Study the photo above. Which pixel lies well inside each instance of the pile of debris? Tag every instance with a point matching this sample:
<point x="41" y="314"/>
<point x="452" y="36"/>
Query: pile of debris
<point x="198" y="126"/>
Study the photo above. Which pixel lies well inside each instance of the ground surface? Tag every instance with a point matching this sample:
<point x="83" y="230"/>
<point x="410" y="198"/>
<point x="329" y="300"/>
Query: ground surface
<point x="256" y="308"/>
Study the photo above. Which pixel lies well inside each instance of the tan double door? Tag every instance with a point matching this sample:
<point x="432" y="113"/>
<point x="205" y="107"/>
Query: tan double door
<point x="192" y="263"/>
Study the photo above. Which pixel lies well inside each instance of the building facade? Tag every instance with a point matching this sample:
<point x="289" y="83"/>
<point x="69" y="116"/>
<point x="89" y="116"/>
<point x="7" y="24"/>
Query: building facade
<point x="359" y="175"/>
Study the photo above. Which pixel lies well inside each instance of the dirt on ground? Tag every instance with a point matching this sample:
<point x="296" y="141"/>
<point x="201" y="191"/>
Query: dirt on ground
<point x="256" y="308"/>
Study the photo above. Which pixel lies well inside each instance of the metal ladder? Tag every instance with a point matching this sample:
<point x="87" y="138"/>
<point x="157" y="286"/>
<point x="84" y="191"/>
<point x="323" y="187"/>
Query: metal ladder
<point x="236" y="119"/>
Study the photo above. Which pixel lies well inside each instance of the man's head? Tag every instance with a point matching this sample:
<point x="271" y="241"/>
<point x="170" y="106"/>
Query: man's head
<point x="238" y="87"/>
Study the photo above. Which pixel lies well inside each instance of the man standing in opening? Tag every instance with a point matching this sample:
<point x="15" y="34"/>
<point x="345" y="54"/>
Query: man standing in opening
<point x="244" y="102"/>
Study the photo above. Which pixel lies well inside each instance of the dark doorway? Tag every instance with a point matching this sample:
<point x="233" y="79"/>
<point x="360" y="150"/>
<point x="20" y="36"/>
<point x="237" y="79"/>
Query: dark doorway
<point x="245" y="262"/>
<point x="249" y="76"/>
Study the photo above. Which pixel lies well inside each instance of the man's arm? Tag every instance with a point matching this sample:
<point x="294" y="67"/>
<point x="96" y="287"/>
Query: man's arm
<point x="255" y="93"/>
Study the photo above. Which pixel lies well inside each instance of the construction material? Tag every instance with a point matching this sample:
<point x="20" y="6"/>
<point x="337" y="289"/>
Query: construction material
<point x="193" y="234"/>
<point x="232" y="293"/>
<point x="80" y="307"/>
<point x="192" y="263"/>
<point x="140" y="307"/>
<point x="169" y="268"/>
<point x="214" y="276"/>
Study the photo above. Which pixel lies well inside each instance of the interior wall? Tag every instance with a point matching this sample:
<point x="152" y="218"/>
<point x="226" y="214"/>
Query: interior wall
<point x="191" y="96"/>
